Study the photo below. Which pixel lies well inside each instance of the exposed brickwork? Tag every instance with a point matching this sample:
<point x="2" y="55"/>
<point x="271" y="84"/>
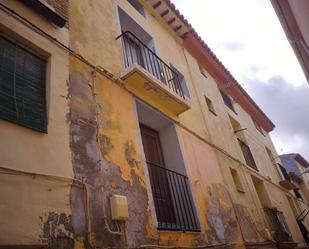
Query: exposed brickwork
<point x="61" y="7"/>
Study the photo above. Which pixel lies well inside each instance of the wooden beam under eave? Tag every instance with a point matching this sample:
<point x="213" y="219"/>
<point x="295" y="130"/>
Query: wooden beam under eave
<point x="171" y="21"/>
<point x="164" y="13"/>
<point x="157" y="5"/>
<point x="183" y="36"/>
<point x="178" y="28"/>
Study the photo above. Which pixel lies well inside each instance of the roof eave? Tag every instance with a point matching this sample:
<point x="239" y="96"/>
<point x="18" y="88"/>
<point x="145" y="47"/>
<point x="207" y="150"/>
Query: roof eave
<point x="200" y="50"/>
<point x="222" y="76"/>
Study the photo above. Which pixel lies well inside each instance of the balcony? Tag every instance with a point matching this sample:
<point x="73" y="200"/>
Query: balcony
<point x="150" y="78"/>
<point x="287" y="181"/>
<point x="172" y="198"/>
<point x="279" y="229"/>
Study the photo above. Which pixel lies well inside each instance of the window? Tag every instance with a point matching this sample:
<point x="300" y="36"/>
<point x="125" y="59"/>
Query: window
<point x="258" y="127"/>
<point x="22" y="86"/>
<point x="247" y="154"/>
<point x="238" y="130"/>
<point x="237" y="182"/>
<point x="270" y="155"/>
<point x="137" y="5"/>
<point x="202" y="70"/>
<point x="262" y="193"/>
<point x="227" y="100"/>
<point x="235" y="124"/>
<point x="278" y="222"/>
<point x="279" y="169"/>
<point x="210" y="106"/>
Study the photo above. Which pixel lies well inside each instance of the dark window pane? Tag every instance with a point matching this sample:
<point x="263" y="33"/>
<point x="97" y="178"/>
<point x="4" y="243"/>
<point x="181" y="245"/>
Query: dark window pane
<point x="247" y="154"/>
<point x="22" y="87"/>
<point x="227" y="100"/>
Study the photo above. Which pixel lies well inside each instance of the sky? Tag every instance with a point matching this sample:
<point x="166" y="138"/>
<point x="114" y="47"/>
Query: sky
<point x="247" y="37"/>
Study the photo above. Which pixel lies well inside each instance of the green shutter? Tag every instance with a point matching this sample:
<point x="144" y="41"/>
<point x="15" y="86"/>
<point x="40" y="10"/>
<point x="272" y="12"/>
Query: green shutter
<point x="22" y="87"/>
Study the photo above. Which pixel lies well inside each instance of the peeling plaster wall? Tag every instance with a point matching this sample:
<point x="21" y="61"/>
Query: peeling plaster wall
<point x="94" y="137"/>
<point x="213" y="202"/>
<point x="247" y="207"/>
<point x="35" y="209"/>
<point x="107" y="158"/>
<point x="105" y="141"/>
<point x="250" y="213"/>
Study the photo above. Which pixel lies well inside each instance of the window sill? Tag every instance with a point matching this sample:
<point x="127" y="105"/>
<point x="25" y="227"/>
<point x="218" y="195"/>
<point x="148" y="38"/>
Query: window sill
<point x="262" y="133"/>
<point x="241" y="191"/>
<point x="213" y="113"/>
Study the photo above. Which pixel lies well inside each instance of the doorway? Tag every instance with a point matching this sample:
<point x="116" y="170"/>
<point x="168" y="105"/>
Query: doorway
<point x="158" y="175"/>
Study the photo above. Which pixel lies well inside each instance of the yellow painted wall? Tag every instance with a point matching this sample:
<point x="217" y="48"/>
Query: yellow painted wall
<point x="211" y="196"/>
<point x="93" y="29"/>
<point x="27" y="202"/>
<point x="119" y="127"/>
<point x="198" y="119"/>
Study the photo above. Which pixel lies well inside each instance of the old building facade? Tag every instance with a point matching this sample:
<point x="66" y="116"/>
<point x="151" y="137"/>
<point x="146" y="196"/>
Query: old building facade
<point x="114" y="104"/>
<point x="295" y="170"/>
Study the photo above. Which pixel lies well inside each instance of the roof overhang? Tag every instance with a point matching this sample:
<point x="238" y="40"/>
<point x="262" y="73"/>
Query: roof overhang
<point x="225" y="80"/>
<point x="171" y="16"/>
<point x="294" y="18"/>
<point x="301" y="160"/>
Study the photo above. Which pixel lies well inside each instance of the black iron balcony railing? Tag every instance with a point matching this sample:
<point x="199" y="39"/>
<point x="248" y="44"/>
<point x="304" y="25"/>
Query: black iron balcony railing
<point x="173" y="202"/>
<point x="136" y="52"/>
<point x="278" y="225"/>
<point x="284" y="172"/>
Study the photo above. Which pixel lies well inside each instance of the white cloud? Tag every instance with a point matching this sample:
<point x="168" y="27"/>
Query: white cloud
<point x="252" y="23"/>
<point x="248" y="38"/>
<point x="290" y="116"/>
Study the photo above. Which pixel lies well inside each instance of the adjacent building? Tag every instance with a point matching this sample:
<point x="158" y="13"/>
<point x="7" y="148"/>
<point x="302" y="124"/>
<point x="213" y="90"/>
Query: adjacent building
<point x="294" y="18"/>
<point x="120" y="128"/>
<point x="295" y="170"/>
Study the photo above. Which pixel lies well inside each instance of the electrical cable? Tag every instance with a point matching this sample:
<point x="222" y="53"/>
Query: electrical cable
<point x="92" y="86"/>
<point x="73" y="182"/>
<point x="109" y="75"/>
<point x="54" y="40"/>
<point x="102" y="71"/>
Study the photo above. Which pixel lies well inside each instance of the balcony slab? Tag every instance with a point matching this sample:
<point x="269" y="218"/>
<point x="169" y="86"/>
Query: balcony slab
<point x="151" y="90"/>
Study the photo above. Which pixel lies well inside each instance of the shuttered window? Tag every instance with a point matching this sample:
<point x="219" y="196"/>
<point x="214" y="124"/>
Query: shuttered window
<point x="247" y="154"/>
<point x="22" y="87"/>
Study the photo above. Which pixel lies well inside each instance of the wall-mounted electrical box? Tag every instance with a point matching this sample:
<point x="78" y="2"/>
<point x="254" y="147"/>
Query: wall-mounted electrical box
<point x="119" y="207"/>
